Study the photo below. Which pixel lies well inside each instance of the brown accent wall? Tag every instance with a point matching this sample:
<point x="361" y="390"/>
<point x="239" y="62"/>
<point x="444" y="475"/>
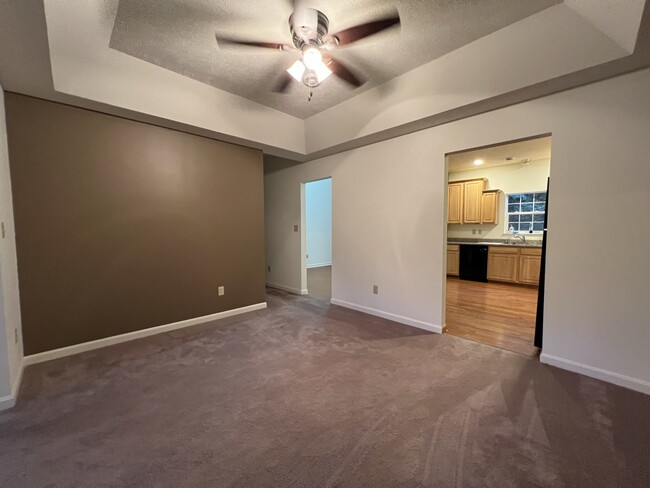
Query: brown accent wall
<point x="122" y="226"/>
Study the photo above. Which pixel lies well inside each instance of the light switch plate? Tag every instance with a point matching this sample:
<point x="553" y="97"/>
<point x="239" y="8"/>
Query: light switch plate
<point x="222" y="291"/>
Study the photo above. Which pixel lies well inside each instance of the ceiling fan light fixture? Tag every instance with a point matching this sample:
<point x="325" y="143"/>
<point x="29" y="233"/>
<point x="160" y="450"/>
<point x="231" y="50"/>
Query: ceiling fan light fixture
<point x="297" y="70"/>
<point x="312" y="57"/>
<point x="310" y="77"/>
<point x="322" y="72"/>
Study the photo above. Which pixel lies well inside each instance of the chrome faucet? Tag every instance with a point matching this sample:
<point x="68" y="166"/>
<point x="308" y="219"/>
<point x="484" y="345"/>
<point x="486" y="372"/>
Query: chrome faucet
<point x="518" y="236"/>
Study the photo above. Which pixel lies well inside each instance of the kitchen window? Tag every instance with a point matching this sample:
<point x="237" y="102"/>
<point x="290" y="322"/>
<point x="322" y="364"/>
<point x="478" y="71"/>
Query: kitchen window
<point x="525" y="212"/>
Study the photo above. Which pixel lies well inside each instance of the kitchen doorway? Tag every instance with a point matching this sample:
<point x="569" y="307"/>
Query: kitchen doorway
<point x="317" y="263"/>
<point x="497" y="201"/>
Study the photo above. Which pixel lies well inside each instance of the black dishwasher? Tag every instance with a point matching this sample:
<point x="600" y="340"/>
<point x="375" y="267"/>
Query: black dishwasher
<point x="473" y="262"/>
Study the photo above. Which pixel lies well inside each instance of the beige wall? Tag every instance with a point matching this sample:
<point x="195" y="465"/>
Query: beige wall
<point x="123" y="226"/>
<point x="512" y="178"/>
<point x="389" y="223"/>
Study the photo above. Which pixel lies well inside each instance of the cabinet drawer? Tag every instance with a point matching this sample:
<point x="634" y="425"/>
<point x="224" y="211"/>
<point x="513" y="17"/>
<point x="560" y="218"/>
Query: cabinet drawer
<point x="531" y="252"/>
<point x="453" y="247"/>
<point x="503" y="250"/>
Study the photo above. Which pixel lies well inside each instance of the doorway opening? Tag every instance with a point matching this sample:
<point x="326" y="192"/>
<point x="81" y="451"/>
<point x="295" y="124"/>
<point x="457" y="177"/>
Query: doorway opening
<point x="317" y="265"/>
<point x="497" y="202"/>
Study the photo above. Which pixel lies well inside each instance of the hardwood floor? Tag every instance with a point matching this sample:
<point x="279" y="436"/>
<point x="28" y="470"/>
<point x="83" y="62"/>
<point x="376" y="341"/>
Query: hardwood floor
<point x="497" y="314"/>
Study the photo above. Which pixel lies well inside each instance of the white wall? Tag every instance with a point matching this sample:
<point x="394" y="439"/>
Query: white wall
<point x="512" y="178"/>
<point x="318" y="208"/>
<point x="11" y="355"/>
<point x="389" y="223"/>
<point x="544" y="46"/>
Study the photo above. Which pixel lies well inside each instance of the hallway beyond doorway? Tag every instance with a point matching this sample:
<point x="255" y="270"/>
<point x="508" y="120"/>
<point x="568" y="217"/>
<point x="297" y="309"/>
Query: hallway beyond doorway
<point x="319" y="282"/>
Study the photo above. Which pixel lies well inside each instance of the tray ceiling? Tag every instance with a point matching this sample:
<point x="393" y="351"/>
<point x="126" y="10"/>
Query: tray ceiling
<point x="521" y="151"/>
<point x="179" y="35"/>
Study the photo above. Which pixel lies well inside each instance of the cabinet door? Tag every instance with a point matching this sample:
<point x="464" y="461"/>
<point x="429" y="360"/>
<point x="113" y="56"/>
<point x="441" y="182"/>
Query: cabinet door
<point x="455" y="203"/>
<point x="472" y="201"/>
<point x="453" y="256"/>
<point x="490" y="207"/>
<point x="529" y="266"/>
<point x="502" y="264"/>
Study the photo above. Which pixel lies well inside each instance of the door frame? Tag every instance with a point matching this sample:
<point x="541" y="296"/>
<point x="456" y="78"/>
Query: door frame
<point x="303" y="231"/>
<point x="538" y="337"/>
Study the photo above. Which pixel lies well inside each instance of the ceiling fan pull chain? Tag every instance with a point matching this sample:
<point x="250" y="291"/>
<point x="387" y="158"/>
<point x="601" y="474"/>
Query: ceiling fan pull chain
<point x="311" y="94"/>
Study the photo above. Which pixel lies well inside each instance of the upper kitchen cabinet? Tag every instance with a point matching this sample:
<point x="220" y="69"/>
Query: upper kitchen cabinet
<point x="490" y="207"/>
<point x="472" y="200"/>
<point x="470" y="203"/>
<point x="455" y="203"/>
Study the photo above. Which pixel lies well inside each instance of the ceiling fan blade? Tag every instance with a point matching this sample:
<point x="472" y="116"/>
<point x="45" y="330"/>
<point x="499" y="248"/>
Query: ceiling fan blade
<point x="362" y="31"/>
<point x="282" y="85"/>
<point x="340" y="70"/>
<point x="226" y="41"/>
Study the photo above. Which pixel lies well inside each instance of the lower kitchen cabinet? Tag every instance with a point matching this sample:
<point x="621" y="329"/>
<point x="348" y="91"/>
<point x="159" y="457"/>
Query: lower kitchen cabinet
<point x="514" y="264"/>
<point x="530" y="262"/>
<point x="453" y="259"/>
<point x="502" y="264"/>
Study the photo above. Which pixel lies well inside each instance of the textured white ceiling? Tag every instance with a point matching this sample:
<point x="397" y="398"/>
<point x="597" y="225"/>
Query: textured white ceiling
<point x="531" y="149"/>
<point x="179" y="35"/>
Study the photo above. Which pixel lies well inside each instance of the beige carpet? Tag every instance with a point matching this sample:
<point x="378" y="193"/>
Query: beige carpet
<point x="306" y="394"/>
<point x="319" y="282"/>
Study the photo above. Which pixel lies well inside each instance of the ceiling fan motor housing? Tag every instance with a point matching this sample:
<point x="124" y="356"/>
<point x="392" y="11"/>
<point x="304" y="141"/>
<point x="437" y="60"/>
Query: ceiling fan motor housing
<point x="308" y="26"/>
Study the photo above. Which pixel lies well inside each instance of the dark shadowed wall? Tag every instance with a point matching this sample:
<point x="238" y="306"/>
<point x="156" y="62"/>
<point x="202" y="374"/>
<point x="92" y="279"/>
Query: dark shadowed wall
<point x="122" y="226"/>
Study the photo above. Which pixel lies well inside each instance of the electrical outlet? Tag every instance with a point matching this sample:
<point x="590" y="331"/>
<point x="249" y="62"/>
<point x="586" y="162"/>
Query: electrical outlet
<point x="480" y="231"/>
<point x="222" y="291"/>
<point x="474" y="231"/>
<point x="15" y="336"/>
<point x="269" y="268"/>
<point x="295" y="228"/>
<point x="375" y="289"/>
<point x="3" y="230"/>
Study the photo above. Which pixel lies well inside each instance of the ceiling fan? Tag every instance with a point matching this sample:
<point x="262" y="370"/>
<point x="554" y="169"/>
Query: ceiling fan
<point x="310" y="35"/>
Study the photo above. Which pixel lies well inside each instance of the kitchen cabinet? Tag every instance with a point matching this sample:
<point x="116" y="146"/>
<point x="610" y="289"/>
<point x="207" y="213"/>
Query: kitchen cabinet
<point x="490" y="207"/>
<point x="455" y="203"/>
<point x="514" y="264"/>
<point x="468" y="202"/>
<point x="472" y="193"/>
<point x="502" y="264"/>
<point x="453" y="259"/>
<point x="530" y="262"/>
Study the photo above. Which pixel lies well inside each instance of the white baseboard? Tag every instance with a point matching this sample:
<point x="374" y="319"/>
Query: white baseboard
<point x="10" y="400"/>
<point x="7" y="402"/>
<point x="296" y="291"/>
<point x="600" y="374"/>
<point x="138" y="334"/>
<point x="390" y="316"/>
<point x="319" y="265"/>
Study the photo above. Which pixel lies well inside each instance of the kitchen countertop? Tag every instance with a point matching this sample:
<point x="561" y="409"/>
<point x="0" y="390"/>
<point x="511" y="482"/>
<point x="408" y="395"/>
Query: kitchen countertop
<point x="494" y="242"/>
